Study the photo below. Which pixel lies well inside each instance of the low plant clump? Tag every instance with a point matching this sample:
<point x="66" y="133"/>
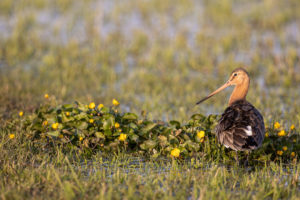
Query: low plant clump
<point x="99" y="128"/>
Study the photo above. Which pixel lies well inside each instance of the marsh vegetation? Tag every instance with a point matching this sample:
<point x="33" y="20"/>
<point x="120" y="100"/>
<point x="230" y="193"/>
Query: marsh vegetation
<point x="157" y="59"/>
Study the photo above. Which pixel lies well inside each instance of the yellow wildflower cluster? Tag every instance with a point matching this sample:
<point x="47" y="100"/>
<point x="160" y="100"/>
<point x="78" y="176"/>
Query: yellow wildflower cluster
<point x="12" y="136"/>
<point x="284" y="148"/>
<point x="21" y="113"/>
<point x="55" y="126"/>
<point x="91" y="121"/>
<point x="292" y="127"/>
<point x="281" y="133"/>
<point x="200" y="134"/>
<point x="117" y="125"/>
<point x="115" y="102"/>
<point x="279" y="153"/>
<point x="293" y="154"/>
<point x="100" y="106"/>
<point x="276" y="125"/>
<point x="122" y="137"/>
<point x="45" y="123"/>
<point x="67" y="114"/>
<point x="46" y="96"/>
<point x="80" y="138"/>
<point x="266" y="134"/>
<point x="92" y="105"/>
<point x="175" y="152"/>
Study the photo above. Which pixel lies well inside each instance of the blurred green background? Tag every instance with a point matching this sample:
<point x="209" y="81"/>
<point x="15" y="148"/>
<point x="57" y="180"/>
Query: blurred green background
<point x="157" y="56"/>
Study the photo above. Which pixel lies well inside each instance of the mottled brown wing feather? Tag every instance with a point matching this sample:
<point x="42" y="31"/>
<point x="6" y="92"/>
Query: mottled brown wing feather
<point x="234" y="123"/>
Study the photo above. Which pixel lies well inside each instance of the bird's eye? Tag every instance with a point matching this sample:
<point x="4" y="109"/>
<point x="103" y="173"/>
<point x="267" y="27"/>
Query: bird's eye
<point x="235" y="74"/>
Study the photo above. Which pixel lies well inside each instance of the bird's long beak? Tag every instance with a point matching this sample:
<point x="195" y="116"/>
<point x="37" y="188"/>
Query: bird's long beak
<point x="215" y="92"/>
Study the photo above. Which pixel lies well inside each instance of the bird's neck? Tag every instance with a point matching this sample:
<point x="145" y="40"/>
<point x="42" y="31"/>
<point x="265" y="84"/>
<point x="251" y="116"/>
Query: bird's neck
<point x="239" y="92"/>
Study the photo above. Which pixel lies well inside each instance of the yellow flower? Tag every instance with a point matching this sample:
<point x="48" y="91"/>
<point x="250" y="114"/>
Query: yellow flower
<point x="117" y="125"/>
<point x="100" y="106"/>
<point x="175" y="152"/>
<point x="276" y="125"/>
<point x="115" y="102"/>
<point x="292" y="127"/>
<point x="294" y="140"/>
<point x="91" y="121"/>
<point x="284" y="148"/>
<point x="55" y="126"/>
<point x="46" y="96"/>
<point x="279" y="153"/>
<point x="122" y="137"/>
<point x="45" y="123"/>
<point x="67" y="114"/>
<point x="21" y="113"/>
<point x="266" y="134"/>
<point x="281" y="133"/>
<point x="80" y="138"/>
<point x="92" y="105"/>
<point x="200" y="134"/>
<point x="293" y="154"/>
<point x="12" y="136"/>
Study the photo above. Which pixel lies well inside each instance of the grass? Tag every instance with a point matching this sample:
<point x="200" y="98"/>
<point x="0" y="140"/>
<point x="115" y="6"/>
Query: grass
<point x="66" y="176"/>
<point x="157" y="58"/>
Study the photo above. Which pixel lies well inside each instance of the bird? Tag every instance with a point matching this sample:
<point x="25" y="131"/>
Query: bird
<point x="241" y="126"/>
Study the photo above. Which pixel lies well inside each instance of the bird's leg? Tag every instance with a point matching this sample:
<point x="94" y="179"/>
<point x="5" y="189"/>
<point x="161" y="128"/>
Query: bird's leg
<point x="237" y="158"/>
<point x="247" y="159"/>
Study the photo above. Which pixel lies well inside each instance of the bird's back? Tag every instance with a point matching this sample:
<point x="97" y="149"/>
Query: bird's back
<point x="241" y="127"/>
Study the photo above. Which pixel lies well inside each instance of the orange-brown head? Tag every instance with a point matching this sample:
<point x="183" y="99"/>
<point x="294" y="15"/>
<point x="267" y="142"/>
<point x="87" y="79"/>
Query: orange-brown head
<point x="240" y="79"/>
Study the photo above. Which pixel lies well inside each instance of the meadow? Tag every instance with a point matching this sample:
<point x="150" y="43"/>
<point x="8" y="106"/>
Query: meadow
<point x="76" y="75"/>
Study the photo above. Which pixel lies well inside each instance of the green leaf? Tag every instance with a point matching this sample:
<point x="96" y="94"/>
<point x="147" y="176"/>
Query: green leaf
<point x="83" y="125"/>
<point x="134" y="137"/>
<point x="68" y="107"/>
<point x="212" y="118"/>
<point x="148" y="127"/>
<point x="173" y="139"/>
<point x="186" y="137"/>
<point x="107" y="132"/>
<point x="80" y="116"/>
<point x="197" y="117"/>
<point x="100" y="135"/>
<point x="174" y="123"/>
<point x="148" y="144"/>
<point x="36" y="125"/>
<point x="105" y="110"/>
<point x="133" y="125"/>
<point x="65" y="119"/>
<point x="81" y="106"/>
<point x="108" y="122"/>
<point x="65" y="131"/>
<point x="53" y="133"/>
<point x="130" y="116"/>
<point x="163" y="140"/>
<point x="192" y="146"/>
